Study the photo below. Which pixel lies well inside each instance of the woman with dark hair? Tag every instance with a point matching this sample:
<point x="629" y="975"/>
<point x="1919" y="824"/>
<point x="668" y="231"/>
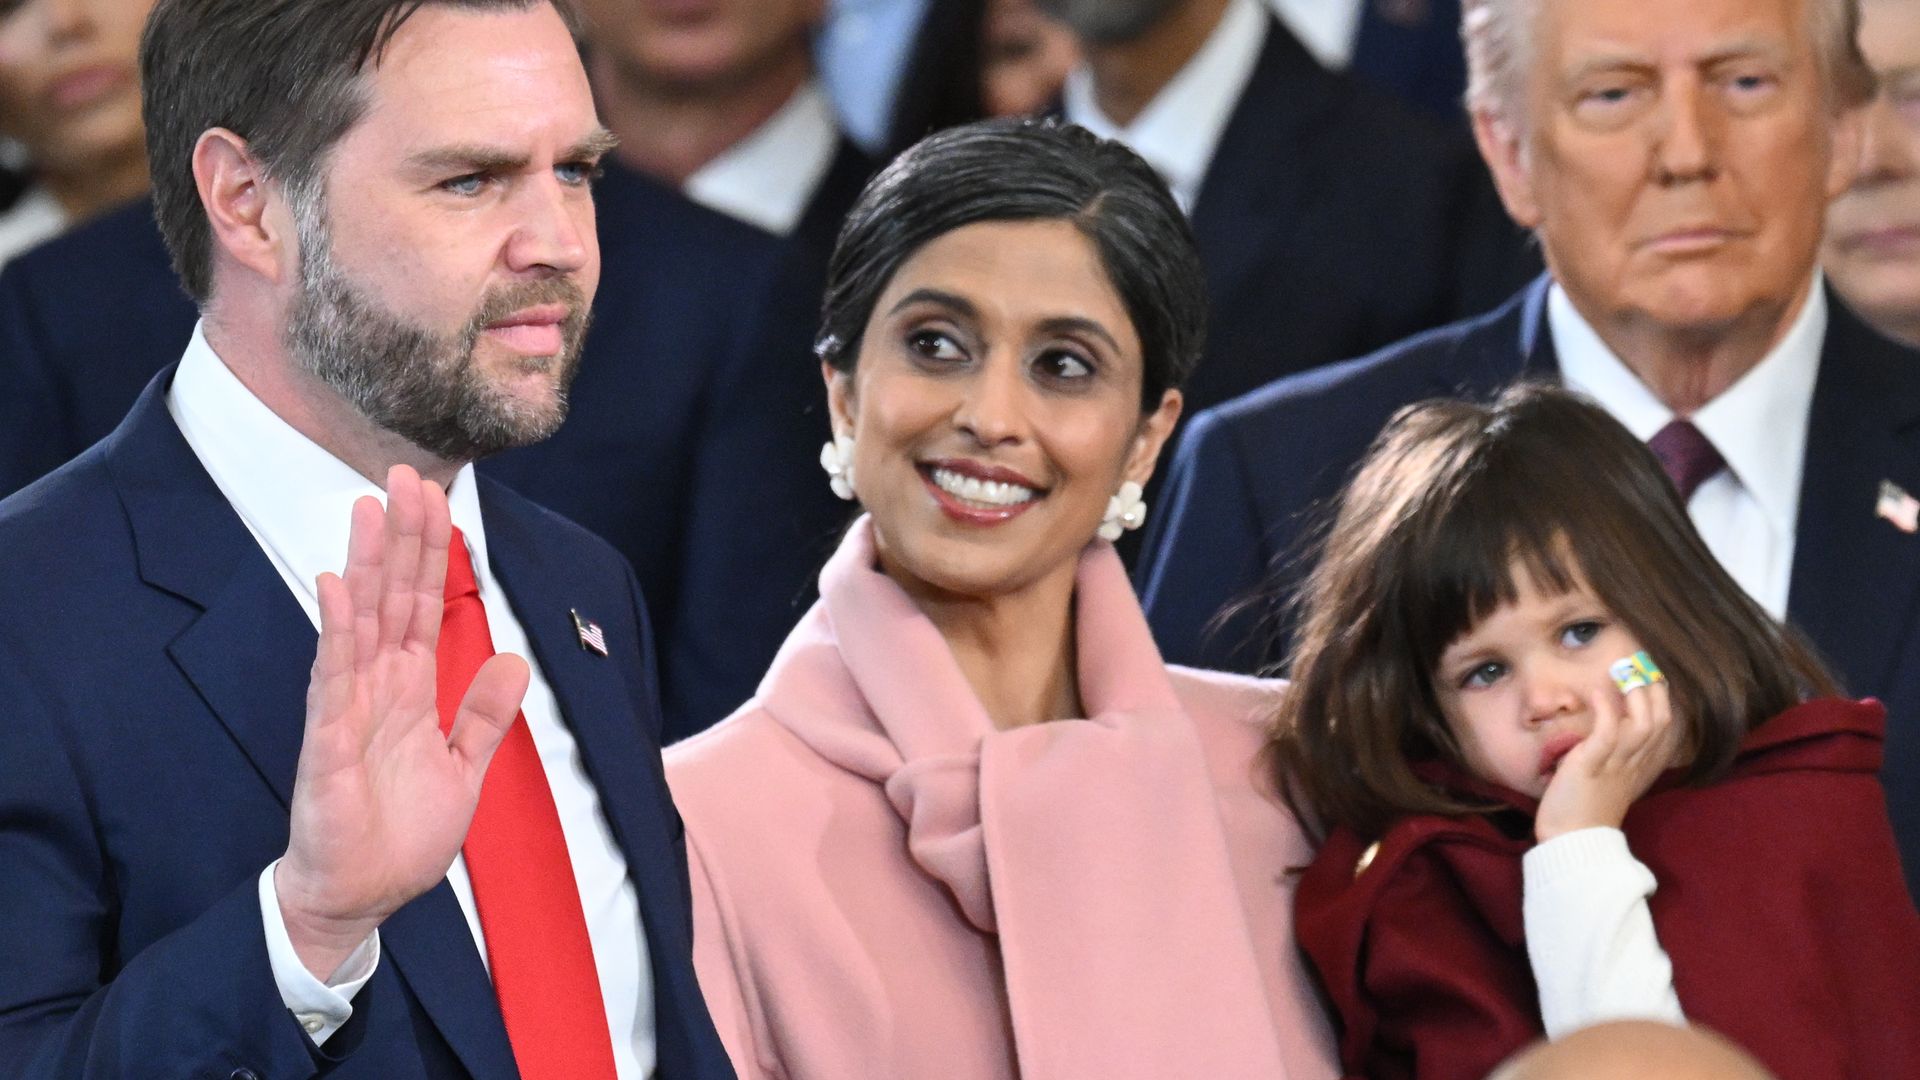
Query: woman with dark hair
<point x="70" y="113"/>
<point x="972" y="825"/>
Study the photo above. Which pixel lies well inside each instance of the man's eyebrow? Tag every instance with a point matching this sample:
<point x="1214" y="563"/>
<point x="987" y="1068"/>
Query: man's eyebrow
<point x="487" y="159"/>
<point x="593" y="147"/>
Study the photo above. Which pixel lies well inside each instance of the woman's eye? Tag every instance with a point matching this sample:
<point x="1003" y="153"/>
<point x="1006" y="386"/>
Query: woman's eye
<point x="1485" y="675"/>
<point x="1064" y="365"/>
<point x="934" y="345"/>
<point x="1579" y="634"/>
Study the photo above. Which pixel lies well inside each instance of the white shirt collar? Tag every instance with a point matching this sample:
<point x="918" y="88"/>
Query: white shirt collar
<point x="767" y="178"/>
<point x="1180" y="128"/>
<point x="35" y="217"/>
<point x="295" y="497"/>
<point x="1328" y="28"/>
<point x="1759" y="424"/>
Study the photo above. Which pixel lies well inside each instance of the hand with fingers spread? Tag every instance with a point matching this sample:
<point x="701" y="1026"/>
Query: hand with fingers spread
<point x="383" y="800"/>
<point x="1615" y="764"/>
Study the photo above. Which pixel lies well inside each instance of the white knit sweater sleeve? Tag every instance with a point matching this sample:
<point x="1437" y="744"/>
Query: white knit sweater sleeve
<point x="1590" y="935"/>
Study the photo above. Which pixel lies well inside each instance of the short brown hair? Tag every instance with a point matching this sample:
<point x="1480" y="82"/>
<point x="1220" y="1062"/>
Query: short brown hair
<point x="282" y="74"/>
<point x="1424" y="545"/>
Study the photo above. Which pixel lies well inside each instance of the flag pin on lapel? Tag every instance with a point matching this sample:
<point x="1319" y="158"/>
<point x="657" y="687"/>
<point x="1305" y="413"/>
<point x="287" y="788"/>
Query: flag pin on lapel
<point x="594" y="639"/>
<point x="1898" y="507"/>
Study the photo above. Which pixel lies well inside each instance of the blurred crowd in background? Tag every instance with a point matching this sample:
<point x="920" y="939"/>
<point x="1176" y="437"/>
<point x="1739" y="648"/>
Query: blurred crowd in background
<point x="1320" y="146"/>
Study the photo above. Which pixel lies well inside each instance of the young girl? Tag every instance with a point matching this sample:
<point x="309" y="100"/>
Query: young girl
<point x="1514" y="842"/>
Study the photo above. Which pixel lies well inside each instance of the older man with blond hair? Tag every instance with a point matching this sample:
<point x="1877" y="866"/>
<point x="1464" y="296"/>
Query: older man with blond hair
<point x="1675" y="162"/>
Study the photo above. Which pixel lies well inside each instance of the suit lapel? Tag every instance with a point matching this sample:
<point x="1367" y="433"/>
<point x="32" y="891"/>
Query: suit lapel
<point x="249" y="651"/>
<point x="248" y="655"/>
<point x="1253" y="186"/>
<point x="1508" y="344"/>
<point x="618" y="744"/>
<point x="1854" y="574"/>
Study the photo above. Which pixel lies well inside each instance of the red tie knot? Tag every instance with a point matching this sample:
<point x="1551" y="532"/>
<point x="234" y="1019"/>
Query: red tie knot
<point x="460" y="579"/>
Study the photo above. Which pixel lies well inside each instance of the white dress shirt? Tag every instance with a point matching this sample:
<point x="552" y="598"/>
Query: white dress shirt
<point x="1748" y="512"/>
<point x="1180" y="128"/>
<point x="296" y="499"/>
<point x="768" y="178"/>
<point x="35" y="218"/>
<point x="1328" y="28"/>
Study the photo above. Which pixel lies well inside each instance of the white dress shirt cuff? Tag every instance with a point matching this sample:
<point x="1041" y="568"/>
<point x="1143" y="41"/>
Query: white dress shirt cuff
<point x="1590" y="935"/>
<point x="321" y="1008"/>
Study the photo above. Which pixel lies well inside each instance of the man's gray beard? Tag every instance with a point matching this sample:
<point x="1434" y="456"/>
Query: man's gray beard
<point x="423" y="386"/>
<point x="1108" y="22"/>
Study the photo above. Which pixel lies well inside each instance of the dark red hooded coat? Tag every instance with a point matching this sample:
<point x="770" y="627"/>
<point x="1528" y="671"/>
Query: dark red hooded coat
<point x="1780" y="903"/>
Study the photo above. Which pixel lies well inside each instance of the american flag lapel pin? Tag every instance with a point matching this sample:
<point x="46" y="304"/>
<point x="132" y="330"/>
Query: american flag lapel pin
<point x="1898" y="507"/>
<point x="592" y="638"/>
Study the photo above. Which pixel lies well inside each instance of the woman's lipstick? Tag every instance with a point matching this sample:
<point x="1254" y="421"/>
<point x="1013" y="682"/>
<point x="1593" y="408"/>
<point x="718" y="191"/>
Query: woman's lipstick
<point x="975" y="493"/>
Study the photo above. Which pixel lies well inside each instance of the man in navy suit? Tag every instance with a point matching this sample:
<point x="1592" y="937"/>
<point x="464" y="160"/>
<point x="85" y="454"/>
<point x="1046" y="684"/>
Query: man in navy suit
<point x="1331" y="218"/>
<point x="691" y="445"/>
<point x="1678" y="191"/>
<point x="467" y="865"/>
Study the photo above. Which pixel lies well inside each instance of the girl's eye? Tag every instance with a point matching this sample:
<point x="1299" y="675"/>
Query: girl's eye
<point x="1485" y="675"/>
<point x="934" y="345"/>
<point x="1059" y="364"/>
<point x="1579" y="634"/>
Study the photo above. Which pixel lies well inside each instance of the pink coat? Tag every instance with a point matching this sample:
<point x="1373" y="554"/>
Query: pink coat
<point x="885" y="886"/>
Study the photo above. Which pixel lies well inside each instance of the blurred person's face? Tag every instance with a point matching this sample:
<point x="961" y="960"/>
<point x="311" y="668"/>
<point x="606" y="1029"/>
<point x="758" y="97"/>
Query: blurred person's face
<point x="1109" y="22"/>
<point x="995" y="408"/>
<point x="70" y="78"/>
<point x="1676" y="159"/>
<point x="1025" y="60"/>
<point x="1873" y="231"/>
<point x="701" y="45"/>
<point x="446" y="273"/>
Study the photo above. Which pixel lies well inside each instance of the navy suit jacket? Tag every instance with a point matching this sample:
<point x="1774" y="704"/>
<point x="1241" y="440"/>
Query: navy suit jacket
<point x="691" y="444"/>
<point x="1334" y="220"/>
<point x="1412" y="47"/>
<point x="153" y="670"/>
<point x="1254" y="478"/>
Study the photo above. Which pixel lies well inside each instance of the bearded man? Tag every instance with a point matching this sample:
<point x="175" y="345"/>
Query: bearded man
<point x="466" y="864"/>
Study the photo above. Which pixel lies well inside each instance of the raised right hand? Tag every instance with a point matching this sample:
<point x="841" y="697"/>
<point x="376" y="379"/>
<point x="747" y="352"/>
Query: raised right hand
<point x="382" y="801"/>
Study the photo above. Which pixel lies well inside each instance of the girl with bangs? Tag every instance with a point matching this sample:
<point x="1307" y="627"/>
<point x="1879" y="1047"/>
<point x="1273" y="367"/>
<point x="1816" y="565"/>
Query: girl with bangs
<point x="1566" y="771"/>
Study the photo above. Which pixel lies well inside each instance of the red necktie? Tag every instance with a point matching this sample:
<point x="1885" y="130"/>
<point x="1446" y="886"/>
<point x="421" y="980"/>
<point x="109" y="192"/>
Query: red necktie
<point x="523" y="885"/>
<point x="1687" y="455"/>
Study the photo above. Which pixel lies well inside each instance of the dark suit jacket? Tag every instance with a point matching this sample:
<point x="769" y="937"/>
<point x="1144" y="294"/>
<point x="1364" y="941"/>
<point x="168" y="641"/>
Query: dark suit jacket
<point x="153" y="670"/>
<point x="691" y="444"/>
<point x="1251" y="475"/>
<point x="1412" y="48"/>
<point x="1334" y="220"/>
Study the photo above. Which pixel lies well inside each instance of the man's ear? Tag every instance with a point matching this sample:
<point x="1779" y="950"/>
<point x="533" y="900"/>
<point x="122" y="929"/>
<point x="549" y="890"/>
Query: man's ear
<point x="251" y="224"/>
<point x="1500" y="146"/>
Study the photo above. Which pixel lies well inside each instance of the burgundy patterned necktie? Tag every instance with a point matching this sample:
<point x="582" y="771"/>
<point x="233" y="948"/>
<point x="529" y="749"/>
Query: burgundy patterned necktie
<point x="1687" y="455"/>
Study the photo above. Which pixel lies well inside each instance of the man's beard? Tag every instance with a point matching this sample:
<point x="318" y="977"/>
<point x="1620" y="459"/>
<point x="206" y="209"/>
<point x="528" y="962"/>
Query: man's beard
<point x="420" y="385"/>
<point x="1108" y="22"/>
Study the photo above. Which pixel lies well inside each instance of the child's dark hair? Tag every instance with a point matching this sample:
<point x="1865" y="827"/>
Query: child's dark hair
<point x="1450" y="498"/>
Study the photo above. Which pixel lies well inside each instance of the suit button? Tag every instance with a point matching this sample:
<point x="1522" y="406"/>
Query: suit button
<point x="243" y="1074"/>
